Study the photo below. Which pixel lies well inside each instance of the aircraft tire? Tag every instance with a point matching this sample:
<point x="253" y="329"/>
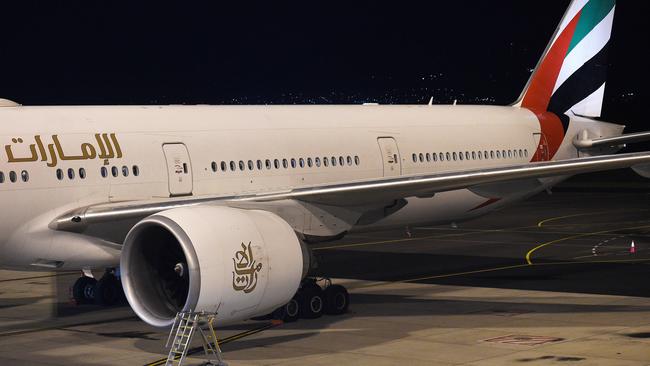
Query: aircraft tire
<point x="289" y="312"/>
<point x="337" y="300"/>
<point x="311" y="301"/>
<point x="83" y="290"/>
<point x="108" y="290"/>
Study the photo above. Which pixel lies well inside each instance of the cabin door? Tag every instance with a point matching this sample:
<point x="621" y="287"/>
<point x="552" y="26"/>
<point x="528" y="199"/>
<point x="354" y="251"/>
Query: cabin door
<point x="542" y="153"/>
<point x="390" y="156"/>
<point x="179" y="169"/>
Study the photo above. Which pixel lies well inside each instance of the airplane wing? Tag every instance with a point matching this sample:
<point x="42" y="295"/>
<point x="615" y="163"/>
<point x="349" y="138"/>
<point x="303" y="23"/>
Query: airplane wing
<point x="361" y="193"/>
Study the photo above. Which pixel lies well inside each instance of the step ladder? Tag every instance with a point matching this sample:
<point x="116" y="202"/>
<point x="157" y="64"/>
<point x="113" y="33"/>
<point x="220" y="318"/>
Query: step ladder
<point x="180" y="337"/>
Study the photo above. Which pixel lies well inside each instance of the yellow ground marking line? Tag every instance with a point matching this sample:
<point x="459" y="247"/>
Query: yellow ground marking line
<point x="464" y="233"/>
<point x="43" y="276"/>
<point x="503" y="268"/>
<point x="530" y="252"/>
<point x="410" y="239"/>
<point x="541" y="223"/>
<point x="232" y="338"/>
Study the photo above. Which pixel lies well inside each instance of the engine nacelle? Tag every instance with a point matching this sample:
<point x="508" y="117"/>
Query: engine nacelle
<point x="237" y="263"/>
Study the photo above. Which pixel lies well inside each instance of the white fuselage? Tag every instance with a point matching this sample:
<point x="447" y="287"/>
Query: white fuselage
<point x="253" y="140"/>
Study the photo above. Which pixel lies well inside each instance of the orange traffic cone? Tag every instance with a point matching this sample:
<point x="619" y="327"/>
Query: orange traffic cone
<point x="632" y="248"/>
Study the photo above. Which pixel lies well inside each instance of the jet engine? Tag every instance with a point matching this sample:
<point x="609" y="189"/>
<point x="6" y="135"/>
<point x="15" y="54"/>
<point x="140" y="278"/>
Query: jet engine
<point x="234" y="262"/>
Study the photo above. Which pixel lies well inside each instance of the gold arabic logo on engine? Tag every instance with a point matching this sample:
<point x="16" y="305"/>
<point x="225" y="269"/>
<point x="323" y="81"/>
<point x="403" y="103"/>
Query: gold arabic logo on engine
<point x="244" y="276"/>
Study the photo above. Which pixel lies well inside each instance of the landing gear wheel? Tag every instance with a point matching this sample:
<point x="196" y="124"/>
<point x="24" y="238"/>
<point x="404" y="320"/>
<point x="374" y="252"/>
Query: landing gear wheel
<point x="108" y="291"/>
<point x="337" y="300"/>
<point x="311" y="301"/>
<point x="289" y="312"/>
<point x="83" y="290"/>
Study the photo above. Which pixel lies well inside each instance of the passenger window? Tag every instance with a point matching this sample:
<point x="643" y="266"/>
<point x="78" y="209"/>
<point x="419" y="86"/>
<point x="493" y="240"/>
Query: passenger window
<point x="285" y="163"/>
<point x="357" y="161"/>
<point x="309" y="162"/>
<point x="13" y="177"/>
<point x="82" y="173"/>
<point x="233" y="166"/>
<point x="498" y="154"/>
<point x="349" y="160"/>
<point x="24" y="175"/>
<point x="103" y="171"/>
<point x="224" y="166"/>
<point x="333" y="161"/>
<point x="341" y="161"/>
<point x="251" y="165"/>
<point x="136" y="171"/>
<point x="448" y="157"/>
<point x="301" y="162"/>
<point x="434" y="157"/>
<point x="466" y="155"/>
<point x="421" y="158"/>
<point x="326" y="161"/>
<point x="214" y="166"/>
<point x="317" y="162"/>
<point x="276" y="163"/>
<point x="503" y="152"/>
<point x="415" y="157"/>
<point x="71" y="173"/>
<point x="428" y="156"/>
<point x="293" y="163"/>
<point x="2" y="177"/>
<point x="491" y="154"/>
<point x="510" y="153"/>
<point x="455" y="156"/>
<point x="460" y="155"/>
<point x="473" y="155"/>
<point x="125" y="171"/>
<point x="526" y="152"/>
<point x="480" y="156"/>
<point x="521" y="153"/>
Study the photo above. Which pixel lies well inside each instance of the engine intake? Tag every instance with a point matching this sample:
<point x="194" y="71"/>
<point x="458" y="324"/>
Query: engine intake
<point x="237" y="263"/>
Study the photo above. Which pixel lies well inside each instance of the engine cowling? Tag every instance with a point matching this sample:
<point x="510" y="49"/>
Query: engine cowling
<point x="237" y="263"/>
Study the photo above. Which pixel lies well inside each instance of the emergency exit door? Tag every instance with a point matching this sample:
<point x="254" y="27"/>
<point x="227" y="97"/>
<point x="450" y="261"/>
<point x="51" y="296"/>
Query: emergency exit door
<point x="390" y="156"/>
<point x="179" y="169"/>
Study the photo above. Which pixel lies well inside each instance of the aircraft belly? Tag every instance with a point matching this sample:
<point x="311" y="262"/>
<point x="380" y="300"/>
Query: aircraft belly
<point x="442" y="208"/>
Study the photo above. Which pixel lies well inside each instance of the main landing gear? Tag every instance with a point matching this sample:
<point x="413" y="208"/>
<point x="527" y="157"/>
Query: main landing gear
<point x="312" y="301"/>
<point x="106" y="292"/>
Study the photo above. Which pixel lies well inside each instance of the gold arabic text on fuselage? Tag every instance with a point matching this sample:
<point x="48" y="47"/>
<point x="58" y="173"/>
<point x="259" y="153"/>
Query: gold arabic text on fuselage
<point x="107" y="145"/>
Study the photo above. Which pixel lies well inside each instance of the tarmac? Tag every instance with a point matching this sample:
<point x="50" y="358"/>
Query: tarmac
<point x="548" y="281"/>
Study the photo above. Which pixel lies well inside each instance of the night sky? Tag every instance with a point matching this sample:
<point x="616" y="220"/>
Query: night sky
<point x="300" y="52"/>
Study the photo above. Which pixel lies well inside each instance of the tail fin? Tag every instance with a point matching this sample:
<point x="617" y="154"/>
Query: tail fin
<point x="571" y="74"/>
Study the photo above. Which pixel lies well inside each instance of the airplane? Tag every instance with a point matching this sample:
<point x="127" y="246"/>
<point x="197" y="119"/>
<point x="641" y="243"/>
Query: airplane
<point x="214" y="208"/>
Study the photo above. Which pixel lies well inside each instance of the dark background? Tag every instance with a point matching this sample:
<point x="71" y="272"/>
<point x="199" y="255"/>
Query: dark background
<point x="299" y="52"/>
